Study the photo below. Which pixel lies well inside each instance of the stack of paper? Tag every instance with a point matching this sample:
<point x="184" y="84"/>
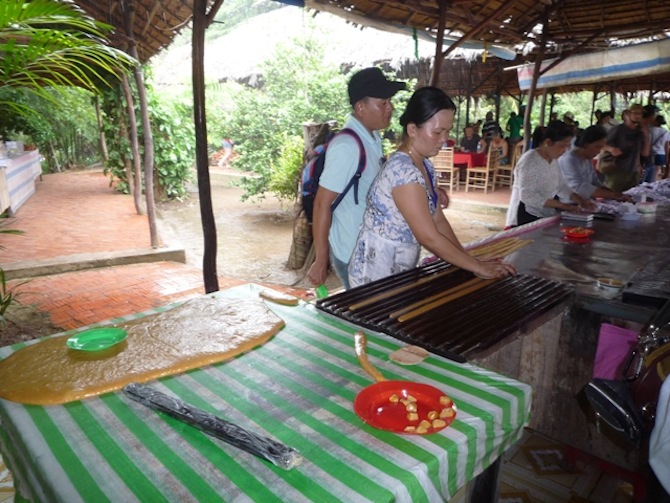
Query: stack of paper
<point x="577" y="217"/>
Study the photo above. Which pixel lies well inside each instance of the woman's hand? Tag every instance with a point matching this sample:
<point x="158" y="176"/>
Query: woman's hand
<point x="495" y="269"/>
<point x="443" y="198"/>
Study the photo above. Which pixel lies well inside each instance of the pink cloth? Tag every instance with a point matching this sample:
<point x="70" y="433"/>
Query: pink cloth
<point x="614" y="346"/>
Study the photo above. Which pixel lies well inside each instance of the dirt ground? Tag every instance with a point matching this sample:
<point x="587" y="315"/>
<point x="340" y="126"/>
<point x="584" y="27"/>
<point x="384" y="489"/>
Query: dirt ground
<point x="254" y="238"/>
<point x="253" y="243"/>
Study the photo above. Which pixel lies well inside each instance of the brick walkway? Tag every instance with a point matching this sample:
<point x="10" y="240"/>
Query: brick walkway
<point x="77" y="212"/>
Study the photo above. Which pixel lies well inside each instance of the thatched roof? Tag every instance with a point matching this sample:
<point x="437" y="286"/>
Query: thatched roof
<point x="574" y="25"/>
<point x="154" y="23"/>
<point x="582" y="24"/>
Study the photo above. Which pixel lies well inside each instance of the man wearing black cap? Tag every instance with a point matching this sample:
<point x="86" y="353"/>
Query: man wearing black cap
<point x="335" y="232"/>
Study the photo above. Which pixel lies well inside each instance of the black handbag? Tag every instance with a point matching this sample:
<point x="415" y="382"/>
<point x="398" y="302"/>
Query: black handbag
<point x="613" y="403"/>
<point x="629" y="404"/>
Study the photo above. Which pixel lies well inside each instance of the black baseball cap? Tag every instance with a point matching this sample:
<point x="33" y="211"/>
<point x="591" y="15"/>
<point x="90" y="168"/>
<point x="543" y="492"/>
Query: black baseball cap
<point x="650" y="110"/>
<point x="371" y="82"/>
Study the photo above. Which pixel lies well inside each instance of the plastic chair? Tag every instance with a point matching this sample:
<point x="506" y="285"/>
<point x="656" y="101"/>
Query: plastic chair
<point x="446" y="173"/>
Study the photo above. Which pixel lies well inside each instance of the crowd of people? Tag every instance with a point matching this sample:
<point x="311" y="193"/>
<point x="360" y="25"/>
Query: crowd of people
<point x="398" y="209"/>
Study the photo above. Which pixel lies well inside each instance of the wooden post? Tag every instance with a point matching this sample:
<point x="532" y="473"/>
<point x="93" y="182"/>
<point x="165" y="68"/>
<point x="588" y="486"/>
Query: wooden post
<point x="146" y="127"/>
<point x="437" y="63"/>
<point x="135" y="174"/>
<point x="200" y="23"/>
<point x="536" y="75"/>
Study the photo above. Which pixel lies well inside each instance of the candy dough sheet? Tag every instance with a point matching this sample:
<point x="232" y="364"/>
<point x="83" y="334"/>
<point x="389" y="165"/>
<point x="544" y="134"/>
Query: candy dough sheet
<point x="200" y="332"/>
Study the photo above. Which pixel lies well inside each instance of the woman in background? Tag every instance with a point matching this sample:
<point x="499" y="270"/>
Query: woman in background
<point x="578" y="170"/>
<point x="403" y="212"/>
<point x="538" y="184"/>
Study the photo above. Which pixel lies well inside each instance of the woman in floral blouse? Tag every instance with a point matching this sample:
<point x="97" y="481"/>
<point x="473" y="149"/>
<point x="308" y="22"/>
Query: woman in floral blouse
<point x="403" y="211"/>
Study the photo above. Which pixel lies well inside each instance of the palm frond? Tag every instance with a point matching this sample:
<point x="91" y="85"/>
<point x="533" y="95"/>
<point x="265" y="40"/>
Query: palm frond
<point x="47" y="43"/>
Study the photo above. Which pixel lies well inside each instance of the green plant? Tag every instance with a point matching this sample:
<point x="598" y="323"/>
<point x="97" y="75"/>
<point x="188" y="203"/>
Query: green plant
<point x="50" y="44"/>
<point x="260" y="120"/>
<point x="173" y="134"/>
<point x="174" y="148"/>
<point x="6" y="295"/>
<point x="287" y="169"/>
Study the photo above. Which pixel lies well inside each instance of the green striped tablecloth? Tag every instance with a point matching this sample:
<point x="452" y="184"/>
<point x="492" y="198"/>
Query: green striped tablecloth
<point x="298" y="389"/>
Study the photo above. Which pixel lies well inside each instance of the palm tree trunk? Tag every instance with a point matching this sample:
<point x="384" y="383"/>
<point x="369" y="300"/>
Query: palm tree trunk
<point x="134" y="181"/>
<point x="101" y="132"/>
<point x="148" y="136"/>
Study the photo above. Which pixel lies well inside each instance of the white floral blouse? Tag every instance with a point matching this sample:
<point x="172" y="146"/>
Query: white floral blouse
<point x="386" y="244"/>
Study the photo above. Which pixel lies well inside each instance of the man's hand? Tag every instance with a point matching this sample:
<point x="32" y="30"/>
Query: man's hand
<point x="317" y="273"/>
<point x="320" y="229"/>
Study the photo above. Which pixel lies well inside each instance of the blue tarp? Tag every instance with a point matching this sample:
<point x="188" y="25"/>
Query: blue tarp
<point x="610" y="65"/>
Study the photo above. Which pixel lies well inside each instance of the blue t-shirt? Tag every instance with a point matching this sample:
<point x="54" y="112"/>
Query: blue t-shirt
<point x="340" y="167"/>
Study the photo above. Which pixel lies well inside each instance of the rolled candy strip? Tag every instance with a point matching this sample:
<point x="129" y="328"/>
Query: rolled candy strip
<point x="263" y="447"/>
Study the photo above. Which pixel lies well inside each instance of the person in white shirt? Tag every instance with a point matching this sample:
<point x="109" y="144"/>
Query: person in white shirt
<point x="538" y="184"/>
<point x="660" y="146"/>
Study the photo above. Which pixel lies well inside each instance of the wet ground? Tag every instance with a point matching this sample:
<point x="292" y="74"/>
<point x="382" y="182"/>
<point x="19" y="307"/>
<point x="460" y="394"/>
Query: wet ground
<point x="254" y="238"/>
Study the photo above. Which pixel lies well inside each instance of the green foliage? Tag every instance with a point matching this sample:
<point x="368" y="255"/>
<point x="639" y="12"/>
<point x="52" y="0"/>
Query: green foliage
<point x="260" y="121"/>
<point x="67" y="124"/>
<point x="6" y="295"/>
<point x="264" y="122"/>
<point x="174" y="147"/>
<point x="287" y="169"/>
<point x="53" y="44"/>
<point x="174" y="141"/>
<point x="48" y="47"/>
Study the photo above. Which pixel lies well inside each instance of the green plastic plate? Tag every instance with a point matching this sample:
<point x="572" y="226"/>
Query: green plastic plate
<point x="96" y="339"/>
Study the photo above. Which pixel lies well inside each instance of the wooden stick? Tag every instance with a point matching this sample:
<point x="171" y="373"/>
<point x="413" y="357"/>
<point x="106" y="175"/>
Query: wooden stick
<point x="432" y="298"/>
<point x="401" y="289"/>
<point x="473" y="288"/>
<point x="492" y="247"/>
<point x="501" y="248"/>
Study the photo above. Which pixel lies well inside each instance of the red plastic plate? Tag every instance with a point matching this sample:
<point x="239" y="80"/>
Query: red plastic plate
<point x="373" y="405"/>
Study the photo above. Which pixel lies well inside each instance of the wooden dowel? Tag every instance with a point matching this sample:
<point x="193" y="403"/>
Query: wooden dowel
<point x="432" y="298"/>
<point x="500" y="248"/>
<point x="417" y="312"/>
<point x="401" y="289"/>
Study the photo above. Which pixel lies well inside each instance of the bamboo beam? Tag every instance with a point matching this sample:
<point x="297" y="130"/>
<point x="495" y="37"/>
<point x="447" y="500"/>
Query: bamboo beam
<point x="150" y="17"/>
<point x="437" y="63"/>
<point x="479" y="27"/>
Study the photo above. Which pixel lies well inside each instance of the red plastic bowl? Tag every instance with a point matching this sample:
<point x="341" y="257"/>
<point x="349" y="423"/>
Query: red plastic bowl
<point x="577" y="232"/>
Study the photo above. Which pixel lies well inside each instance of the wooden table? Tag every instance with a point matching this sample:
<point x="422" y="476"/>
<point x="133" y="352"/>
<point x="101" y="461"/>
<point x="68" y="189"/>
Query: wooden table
<point x="298" y="389"/>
